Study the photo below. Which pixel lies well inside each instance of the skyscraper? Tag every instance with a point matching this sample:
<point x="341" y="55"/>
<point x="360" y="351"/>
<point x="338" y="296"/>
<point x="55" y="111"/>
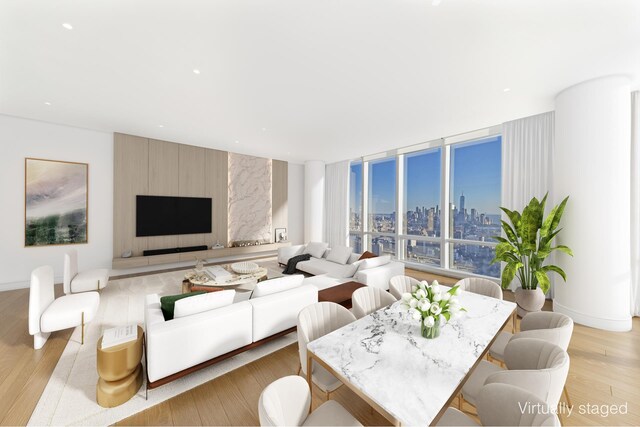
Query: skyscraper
<point x="462" y="202"/>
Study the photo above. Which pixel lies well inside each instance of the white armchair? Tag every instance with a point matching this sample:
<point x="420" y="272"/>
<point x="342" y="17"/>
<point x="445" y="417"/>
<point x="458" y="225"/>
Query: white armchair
<point x="366" y="300"/>
<point x="401" y="284"/>
<point x="48" y="314"/>
<point x="478" y="285"/>
<point x="85" y="281"/>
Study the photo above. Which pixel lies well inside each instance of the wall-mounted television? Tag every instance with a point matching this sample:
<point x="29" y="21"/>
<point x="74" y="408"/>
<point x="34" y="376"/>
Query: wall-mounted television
<point x="163" y="215"/>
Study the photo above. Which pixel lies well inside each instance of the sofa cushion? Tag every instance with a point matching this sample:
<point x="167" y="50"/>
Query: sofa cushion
<point x="205" y="302"/>
<point x="317" y="266"/>
<point x="280" y="284"/>
<point x="367" y="255"/>
<point x="340" y="254"/>
<point x="316" y="249"/>
<point x="167" y="303"/>
<point x="374" y="262"/>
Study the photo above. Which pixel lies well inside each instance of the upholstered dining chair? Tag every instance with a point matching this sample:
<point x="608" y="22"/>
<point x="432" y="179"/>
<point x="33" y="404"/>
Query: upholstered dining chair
<point x="368" y="299"/>
<point x="286" y="402"/>
<point x="48" y="314"/>
<point x="478" y="285"/>
<point x="315" y="321"/>
<point x="399" y="285"/>
<point x="555" y="328"/>
<point x="532" y="364"/>
<point x="84" y="281"/>
<point x="501" y="405"/>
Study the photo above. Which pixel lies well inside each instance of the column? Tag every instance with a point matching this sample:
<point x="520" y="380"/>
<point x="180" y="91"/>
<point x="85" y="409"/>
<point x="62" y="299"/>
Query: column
<point x="314" y="201"/>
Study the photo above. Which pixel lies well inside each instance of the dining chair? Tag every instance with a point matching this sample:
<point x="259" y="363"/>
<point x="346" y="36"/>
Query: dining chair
<point x="315" y="321"/>
<point x="555" y="328"/>
<point x="478" y="285"/>
<point x="84" y="281"/>
<point x="501" y="405"/>
<point x="287" y="401"/>
<point x="399" y="285"/>
<point x="48" y="314"/>
<point x="533" y="364"/>
<point x="368" y="299"/>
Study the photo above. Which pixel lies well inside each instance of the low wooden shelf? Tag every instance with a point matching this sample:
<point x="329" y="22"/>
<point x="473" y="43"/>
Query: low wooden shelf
<point x="143" y="261"/>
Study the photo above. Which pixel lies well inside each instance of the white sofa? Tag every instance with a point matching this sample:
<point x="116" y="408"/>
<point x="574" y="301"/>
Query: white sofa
<point x="328" y="273"/>
<point x="181" y="343"/>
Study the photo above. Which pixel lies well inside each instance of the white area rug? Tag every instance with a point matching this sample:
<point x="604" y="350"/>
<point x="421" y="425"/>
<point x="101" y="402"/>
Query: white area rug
<point x="70" y="395"/>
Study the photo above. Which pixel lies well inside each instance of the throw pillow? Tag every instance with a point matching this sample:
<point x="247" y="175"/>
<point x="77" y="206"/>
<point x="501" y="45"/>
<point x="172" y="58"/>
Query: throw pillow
<point x="205" y="302"/>
<point x="375" y="262"/>
<point x="316" y="249"/>
<point x="340" y="254"/>
<point x="367" y="254"/>
<point x="168" y="303"/>
<point x="268" y="287"/>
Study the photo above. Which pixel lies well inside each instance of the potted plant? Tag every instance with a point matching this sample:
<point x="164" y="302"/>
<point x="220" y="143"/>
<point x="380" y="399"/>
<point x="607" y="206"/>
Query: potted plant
<point x="528" y="243"/>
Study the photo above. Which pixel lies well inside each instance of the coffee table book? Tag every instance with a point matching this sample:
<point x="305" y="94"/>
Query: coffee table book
<point x="119" y="335"/>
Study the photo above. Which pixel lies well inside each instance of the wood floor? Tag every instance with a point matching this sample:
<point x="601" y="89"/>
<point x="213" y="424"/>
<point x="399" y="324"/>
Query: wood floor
<point x="605" y="370"/>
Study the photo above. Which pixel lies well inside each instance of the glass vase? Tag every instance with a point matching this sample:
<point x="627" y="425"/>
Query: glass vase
<point x="430" y="332"/>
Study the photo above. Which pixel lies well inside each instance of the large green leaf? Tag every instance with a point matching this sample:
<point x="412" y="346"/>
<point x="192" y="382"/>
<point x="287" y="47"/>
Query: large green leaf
<point x="511" y="234"/>
<point x="553" y="220"/>
<point x="530" y="224"/>
<point x="543" y="281"/>
<point x="563" y="248"/>
<point x="514" y="217"/>
<point x="509" y="273"/>
<point x="557" y="270"/>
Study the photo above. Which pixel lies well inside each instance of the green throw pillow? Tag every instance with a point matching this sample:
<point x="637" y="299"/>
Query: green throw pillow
<point x="168" y="303"/>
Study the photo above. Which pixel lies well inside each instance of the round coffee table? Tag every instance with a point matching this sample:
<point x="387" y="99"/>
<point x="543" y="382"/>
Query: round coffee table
<point x="120" y="372"/>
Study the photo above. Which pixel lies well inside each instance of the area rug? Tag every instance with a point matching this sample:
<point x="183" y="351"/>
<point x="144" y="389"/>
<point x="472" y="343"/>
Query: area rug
<point x="69" y="397"/>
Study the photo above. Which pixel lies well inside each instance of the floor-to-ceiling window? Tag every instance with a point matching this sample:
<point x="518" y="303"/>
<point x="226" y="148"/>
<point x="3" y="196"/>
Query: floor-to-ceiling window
<point x="436" y="206"/>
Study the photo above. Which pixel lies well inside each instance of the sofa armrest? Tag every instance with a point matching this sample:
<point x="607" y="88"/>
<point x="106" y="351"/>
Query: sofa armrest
<point x="380" y="276"/>
<point x="287" y="252"/>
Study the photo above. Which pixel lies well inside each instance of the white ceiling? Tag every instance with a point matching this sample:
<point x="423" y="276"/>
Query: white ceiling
<point x="305" y="79"/>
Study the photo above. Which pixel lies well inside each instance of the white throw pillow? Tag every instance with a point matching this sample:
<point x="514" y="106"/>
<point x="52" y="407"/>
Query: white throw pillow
<point x="204" y="302"/>
<point x="316" y="249"/>
<point x="374" y="262"/>
<point x="273" y="286"/>
<point x="340" y="254"/>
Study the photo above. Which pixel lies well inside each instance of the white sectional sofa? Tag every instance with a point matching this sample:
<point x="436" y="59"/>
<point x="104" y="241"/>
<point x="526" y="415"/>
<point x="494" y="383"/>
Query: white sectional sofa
<point x="185" y="342"/>
<point x="371" y="272"/>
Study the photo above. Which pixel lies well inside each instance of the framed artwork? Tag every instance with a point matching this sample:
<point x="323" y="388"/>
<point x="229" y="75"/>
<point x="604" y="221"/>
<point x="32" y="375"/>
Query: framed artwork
<point x="56" y="202"/>
<point x="281" y="235"/>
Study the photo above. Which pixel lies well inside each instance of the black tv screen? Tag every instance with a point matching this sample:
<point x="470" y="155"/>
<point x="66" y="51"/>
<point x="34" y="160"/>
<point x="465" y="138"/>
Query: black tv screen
<point x="163" y="216"/>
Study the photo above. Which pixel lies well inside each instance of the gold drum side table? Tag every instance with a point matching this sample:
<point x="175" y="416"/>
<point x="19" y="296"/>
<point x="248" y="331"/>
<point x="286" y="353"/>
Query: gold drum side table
<point x="120" y="371"/>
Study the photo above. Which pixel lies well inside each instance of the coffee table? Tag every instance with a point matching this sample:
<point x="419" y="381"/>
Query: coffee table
<point x="340" y="294"/>
<point x="243" y="284"/>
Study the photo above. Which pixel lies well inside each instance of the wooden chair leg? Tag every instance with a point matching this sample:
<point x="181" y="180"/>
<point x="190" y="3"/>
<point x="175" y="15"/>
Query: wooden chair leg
<point x="566" y="395"/>
<point x="82" y="322"/>
<point x="459" y="401"/>
<point x="299" y="368"/>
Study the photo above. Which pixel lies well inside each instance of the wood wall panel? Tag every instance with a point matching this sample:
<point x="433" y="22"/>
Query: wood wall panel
<point x="280" y="195"/>
<point x="163" y="181"/>
<point x="192" y="162"/>
<point x="131" y="177"/>
<point x="216" y="187"/>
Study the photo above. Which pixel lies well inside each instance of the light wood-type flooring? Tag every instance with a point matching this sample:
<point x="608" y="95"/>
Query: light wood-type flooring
<point x="605" y="370"/>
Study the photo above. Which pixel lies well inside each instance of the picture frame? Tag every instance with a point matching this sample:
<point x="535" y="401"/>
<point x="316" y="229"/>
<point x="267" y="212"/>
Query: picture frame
<point x="56" y="202"/>
<point x="279" y="233"/>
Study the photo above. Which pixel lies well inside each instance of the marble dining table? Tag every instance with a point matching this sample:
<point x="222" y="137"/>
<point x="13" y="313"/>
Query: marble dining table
<point x="408" y="379"/>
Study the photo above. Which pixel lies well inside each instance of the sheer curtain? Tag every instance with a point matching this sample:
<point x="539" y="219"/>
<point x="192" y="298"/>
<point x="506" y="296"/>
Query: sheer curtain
<point x="635" y="203"/>
<point x="527" y="153"/>
<point x="337" y="204"/>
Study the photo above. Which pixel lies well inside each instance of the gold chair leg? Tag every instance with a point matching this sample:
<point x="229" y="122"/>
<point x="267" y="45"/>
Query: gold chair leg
<point x="82" y="321"/>
<point x="566" y="395"/>
<point x="513" y="322"/>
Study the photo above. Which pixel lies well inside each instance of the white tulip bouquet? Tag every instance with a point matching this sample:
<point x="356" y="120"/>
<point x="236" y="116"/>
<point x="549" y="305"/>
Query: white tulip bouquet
<point x="432" y="306"/>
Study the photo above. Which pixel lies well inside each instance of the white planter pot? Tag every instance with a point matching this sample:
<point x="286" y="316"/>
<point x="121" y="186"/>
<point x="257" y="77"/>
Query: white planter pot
<point x="529" y="300"/>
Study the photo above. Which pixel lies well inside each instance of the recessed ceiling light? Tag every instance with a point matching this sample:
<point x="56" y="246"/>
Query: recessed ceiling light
<point x="67" y="26"/>
<point x="436" y="2"/>
<point x="506" y="89"/>
<point x="237" y="142"/>
<point x="196" y="71"/>
<point x="47" y="103"/>
<point x="264" y="129"/>
<point x="160" y="126"/>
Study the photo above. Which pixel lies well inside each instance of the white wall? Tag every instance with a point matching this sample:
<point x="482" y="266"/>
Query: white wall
<point x="20" y="138"/>
<point x="314" y="171"/>
<point x="296" y="204"/>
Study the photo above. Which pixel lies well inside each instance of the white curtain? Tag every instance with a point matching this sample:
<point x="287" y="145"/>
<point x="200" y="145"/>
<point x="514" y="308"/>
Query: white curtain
<point x="635" y="203"/>
<point x="527" y="153"/>
<point x="337" y="204"/>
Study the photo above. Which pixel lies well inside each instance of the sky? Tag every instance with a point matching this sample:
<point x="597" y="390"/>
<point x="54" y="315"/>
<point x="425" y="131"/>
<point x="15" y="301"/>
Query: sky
<point x="475" y="168"/>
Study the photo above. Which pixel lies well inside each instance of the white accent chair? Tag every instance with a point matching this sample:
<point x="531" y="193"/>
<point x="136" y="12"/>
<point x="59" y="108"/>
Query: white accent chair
<point x="315" y="321"/>
<point x="84" y="281"/>
<point x="399" y="285"/>
<point x="478" y="285"/>
<point x="366" y="300"/>
<point x="555" y="328"/>
<point x="286" y="402"/>
<point x="48" y="314"/>
<point x="532" y="364"/>
<point x="501" y="405"/>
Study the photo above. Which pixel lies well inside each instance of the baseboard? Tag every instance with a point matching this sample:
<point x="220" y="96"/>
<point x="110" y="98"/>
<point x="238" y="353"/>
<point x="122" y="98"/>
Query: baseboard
<point x="23" y="284"/>
<point x="614" y="325"/>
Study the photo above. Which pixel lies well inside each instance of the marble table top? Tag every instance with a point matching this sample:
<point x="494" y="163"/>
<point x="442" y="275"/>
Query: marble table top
<point x="384" y="356"/>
